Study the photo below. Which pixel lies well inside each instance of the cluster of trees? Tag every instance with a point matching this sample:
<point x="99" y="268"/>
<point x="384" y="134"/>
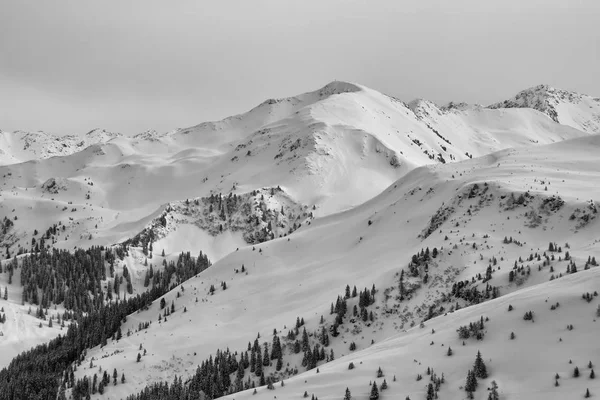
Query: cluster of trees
<point x="84" y="387"/>
<point x="228" y="372"/>
<point x="472" y="295"/>
<point x="75" y="280"/>
<point x="589" y="296"/>
<point x="421" y="259"/>
<point x="474" y="329"/>
<point x="366" y="298"/>
<point x="6" y="225"/>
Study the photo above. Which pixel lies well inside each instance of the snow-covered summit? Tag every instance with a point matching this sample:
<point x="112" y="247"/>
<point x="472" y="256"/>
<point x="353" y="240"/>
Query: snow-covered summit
<point x="562" y="106"/>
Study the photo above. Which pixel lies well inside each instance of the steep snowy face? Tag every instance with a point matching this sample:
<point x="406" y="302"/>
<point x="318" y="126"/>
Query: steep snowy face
<point x="564" y="107"/>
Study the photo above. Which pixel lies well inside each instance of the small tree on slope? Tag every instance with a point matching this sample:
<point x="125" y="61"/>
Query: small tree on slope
<point x="348" y="395"/>
<point x="471" y="383"/>
<point x="479" y="368"/>
<point x="494" y="392"/>
<point x="374" y="392"/>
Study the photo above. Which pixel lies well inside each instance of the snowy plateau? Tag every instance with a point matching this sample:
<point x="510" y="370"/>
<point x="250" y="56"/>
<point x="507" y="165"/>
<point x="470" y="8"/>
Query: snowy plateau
<point x="338" y="244"/>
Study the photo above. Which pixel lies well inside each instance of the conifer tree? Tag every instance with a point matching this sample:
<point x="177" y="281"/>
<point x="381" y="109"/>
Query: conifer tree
<point x="471" y="383"/>
<point x="348" y="395"/>
<point x="430" y="392"/>
<point x="374" y="392"/>
<point x="494" y="395"/>
<point x="479" y="367"/>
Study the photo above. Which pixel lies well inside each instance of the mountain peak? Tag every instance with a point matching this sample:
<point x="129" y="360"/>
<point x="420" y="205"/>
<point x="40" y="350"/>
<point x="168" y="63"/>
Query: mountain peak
<point x="562" y="106"/>
<point x="338" y="87"/>
<point x="99" y="132"/>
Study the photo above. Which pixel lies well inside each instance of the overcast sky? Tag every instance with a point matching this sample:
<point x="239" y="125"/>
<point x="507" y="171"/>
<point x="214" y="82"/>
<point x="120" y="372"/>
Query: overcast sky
<point x="67" y="67"/>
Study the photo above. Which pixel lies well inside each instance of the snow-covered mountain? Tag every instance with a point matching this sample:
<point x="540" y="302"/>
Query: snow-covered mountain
<point x="329" y="149"/>
<point x="568" y="108"/>
<point x="299" y="197"/>
<point x="20" y="146"/>
<point x="496" y="213"/>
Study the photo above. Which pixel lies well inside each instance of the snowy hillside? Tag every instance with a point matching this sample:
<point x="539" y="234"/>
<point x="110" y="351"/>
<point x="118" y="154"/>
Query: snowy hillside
<point x="19" y="146"/>
<point x="568" y="108"/>
<point x="330" y="149"/>
<point x="463" y="210"/>
<point x="343" y="225"/>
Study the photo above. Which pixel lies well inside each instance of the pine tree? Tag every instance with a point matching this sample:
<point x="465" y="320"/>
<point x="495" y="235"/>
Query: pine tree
<point x="479" y="367"/>
<point x="449" y="353"/>
<point x="576" y="372"/>
<point x="430" y="392"/>
<point x="374" y="392"/>
<point x="587" y="393"/>
<point x="471" y="383"/>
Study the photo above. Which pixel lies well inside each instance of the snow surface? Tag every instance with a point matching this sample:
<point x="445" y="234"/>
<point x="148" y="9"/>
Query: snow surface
<point x="303" y="275"/>
<point x="384" y="180"/>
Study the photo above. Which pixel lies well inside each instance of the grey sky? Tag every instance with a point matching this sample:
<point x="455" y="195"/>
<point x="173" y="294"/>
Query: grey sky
<point x="127" y="66"/>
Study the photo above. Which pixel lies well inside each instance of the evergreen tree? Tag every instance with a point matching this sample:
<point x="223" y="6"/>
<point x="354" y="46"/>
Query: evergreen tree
<point x="430" y="392"/>
<point x="374" y="392"/>
<point x="471" y="383"/>
<point x="348" y="395"/>
<point x="479" y="367"/>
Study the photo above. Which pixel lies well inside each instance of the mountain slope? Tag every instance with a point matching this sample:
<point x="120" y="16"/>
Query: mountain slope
<point x="568" y="108"/>
<point x="333" y="148"/>
<point x="328" y="151"/>
<point x="475" y="204"/>
<point x="19" y="146"/>
<point x="523" y="368"/>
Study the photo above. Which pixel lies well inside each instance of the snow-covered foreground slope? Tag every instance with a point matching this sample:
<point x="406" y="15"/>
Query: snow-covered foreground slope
<point x="568" y="108"/>
<point x="523" y="368"/>
<point x="496" y="213"/>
